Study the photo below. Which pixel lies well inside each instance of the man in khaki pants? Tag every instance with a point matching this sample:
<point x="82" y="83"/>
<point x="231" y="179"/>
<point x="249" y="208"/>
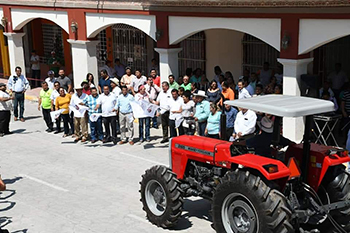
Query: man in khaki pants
<point x="80" y="118"/>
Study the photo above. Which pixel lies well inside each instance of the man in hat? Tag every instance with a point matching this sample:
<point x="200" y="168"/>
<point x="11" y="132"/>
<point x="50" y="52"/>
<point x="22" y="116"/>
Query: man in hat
<point x="80" y="118"/>
<point x="262" y="142"/>
<point x="50" y="80"/>
<point x="18" y="85"/>
<point x="45" y="105"/>
<point x="202" y="111"/>
<point x="5" y="110"/>
<point x="86" y="87"/>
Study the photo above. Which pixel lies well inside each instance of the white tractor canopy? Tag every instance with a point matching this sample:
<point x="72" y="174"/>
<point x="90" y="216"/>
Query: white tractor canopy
<point x="284" y="105"/>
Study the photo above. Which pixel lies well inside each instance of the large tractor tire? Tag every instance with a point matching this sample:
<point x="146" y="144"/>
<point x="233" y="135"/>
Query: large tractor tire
<point x="339" y="190"/>
<point x="244" y="203"/>
<point x="161" y="196"/>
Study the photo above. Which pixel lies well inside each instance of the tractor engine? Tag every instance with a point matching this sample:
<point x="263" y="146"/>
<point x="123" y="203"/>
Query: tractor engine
<point x="200" y="179"/>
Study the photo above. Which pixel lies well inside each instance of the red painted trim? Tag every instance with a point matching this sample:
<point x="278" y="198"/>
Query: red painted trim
<point x="78" y="16"/>
<point x="109" y="42"/>
<point x="7" y="14"/>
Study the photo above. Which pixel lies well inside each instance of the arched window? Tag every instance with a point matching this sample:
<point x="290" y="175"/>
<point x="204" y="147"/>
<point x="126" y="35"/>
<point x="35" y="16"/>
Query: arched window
<point x="193" y="53"/>
<point x="256" y="52"/>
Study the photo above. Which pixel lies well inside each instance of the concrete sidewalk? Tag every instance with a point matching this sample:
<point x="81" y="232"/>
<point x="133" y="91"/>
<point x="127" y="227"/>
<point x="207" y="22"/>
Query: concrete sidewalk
<point x="32" y="94"/>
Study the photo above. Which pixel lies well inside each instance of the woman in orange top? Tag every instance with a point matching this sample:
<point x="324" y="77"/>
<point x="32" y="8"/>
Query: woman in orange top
<point x="227" y="92"/>
<point x="62" y="102"/>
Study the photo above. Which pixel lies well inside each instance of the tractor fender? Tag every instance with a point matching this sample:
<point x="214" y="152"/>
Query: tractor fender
<point x="257" y="162"/>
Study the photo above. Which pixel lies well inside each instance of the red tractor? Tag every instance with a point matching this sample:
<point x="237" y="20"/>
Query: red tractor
<point x="308" y="191"/>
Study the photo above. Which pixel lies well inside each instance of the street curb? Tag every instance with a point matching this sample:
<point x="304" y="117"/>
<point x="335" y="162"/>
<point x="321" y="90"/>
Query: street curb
<point x="32" y="98"/>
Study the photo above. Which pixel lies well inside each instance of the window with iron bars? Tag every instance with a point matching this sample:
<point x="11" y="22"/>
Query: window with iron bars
<point x="192" y="54"/>
<point x="256" y="52"/>
<point x="326" y="56"/>
<point x="101" y="48"/>
<point x="130" y="46"/>
<point x="50" y="33"/>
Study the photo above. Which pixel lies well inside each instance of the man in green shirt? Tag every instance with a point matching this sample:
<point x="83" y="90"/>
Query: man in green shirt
<point x="172" y="83"/>
<point x="45" y="105"/>
<point x="54" y="63"/>
<point x="186" y="85"/>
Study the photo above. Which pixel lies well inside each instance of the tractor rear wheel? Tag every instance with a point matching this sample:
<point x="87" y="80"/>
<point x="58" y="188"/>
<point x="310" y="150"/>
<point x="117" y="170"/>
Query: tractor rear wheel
<point x="243" y="203"/>
<point x="339" y="190"/>
<point x="161" y="196"/>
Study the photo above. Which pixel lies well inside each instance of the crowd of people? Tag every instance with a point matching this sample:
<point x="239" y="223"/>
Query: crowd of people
<point x="190" y="104"/>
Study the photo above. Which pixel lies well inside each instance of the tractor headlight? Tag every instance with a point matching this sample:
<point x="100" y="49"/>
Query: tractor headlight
<point x="271" y="168"/>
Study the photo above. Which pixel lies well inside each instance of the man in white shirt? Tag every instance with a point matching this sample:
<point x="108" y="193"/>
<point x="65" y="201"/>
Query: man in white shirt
<point x="163" y="100"/>
<point x="245" y="123"/>
<point x="50" y="80"/>
<point x="337" y="78"/>
<point x="18" y="85"/>
<point x="152" y="90"/>
<point x="108" y="101"/>
<point x="137" y="81"/>
<point x="55" y="93"/>
<point x="35" y="62"/>
<point x="5" y="110"/>
<point x="242" y="91"/>
<point x="175" y="116"/>
<point x="80" y="118"/>
<point x="109" y="68"/>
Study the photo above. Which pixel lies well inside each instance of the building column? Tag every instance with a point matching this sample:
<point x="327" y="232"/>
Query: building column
<point x="168" y="62"/>
<point x="293" y="128"/>
<point x="84" y="60"/>
<point x="16" y="52"/>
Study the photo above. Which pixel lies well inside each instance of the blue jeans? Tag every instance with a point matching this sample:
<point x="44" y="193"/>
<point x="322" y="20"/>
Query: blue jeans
<point x="202" y="126"/>
<point x="146" y="121"/>
<point x="155" y="123"/>
<point x="19" y="100"/>
<point x="96" y="129"/>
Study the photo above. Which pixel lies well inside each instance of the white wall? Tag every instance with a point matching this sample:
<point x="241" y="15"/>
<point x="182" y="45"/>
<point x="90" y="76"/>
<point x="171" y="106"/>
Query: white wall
<point x="314" y="33"/>
<point x="96" y="22"/>
<point x="268" y="30"/>
<point x="21" y="17"/>
<point x="224" y="48"/>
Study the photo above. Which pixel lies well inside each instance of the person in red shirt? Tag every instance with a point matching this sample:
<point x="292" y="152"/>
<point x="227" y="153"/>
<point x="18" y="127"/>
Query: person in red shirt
<point x="86" y="87"/>
<point x="156" y="78"/>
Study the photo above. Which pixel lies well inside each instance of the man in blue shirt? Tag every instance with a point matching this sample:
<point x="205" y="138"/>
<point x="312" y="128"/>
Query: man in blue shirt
<point x="202" y="111"/>
<point x="126" y="118"/>
<point x="105" y="80"/>
<point x="96" y="126"/>
<point x="231" y="113"/>
<point x="18" y="84"/>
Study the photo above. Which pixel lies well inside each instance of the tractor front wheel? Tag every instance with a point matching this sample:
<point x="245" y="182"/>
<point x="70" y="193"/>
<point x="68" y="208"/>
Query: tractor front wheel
<point x="244" y="203"/>
<point x="339" y="190"/>
<point x="161" y="196"/>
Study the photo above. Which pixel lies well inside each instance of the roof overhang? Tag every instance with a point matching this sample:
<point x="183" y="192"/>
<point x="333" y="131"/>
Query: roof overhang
<point x="284" y="105"/>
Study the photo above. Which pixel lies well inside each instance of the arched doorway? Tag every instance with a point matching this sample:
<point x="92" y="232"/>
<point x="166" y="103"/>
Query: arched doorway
<point x="45" y="37"/>
<point x="132" y="46"/>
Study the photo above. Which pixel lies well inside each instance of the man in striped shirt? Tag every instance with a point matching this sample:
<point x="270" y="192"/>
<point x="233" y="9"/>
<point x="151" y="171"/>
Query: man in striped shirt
<point x="96" y="127"/>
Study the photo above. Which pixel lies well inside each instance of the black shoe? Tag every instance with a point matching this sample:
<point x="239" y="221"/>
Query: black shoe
<point x="49" y="130"/>
<point x="115" y="141"/>
<point x="56" y="132"/>
<point x="164" y="141"/>
<point x="8" y="133"/>
<point x="93" y="141"/>
<point x="118" y="132"/>
<point x="1" y="135"/>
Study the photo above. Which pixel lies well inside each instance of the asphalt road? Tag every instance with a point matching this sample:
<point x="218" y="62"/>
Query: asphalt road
<point x="55" y="185"/>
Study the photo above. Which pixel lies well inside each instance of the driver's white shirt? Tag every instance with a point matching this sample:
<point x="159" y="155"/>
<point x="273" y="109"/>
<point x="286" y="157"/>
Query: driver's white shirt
<point x="245" y="122"/>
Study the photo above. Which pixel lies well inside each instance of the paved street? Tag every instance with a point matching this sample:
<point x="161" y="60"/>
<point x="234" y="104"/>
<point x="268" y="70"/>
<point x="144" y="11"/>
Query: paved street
<point x="56" y="186"/>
